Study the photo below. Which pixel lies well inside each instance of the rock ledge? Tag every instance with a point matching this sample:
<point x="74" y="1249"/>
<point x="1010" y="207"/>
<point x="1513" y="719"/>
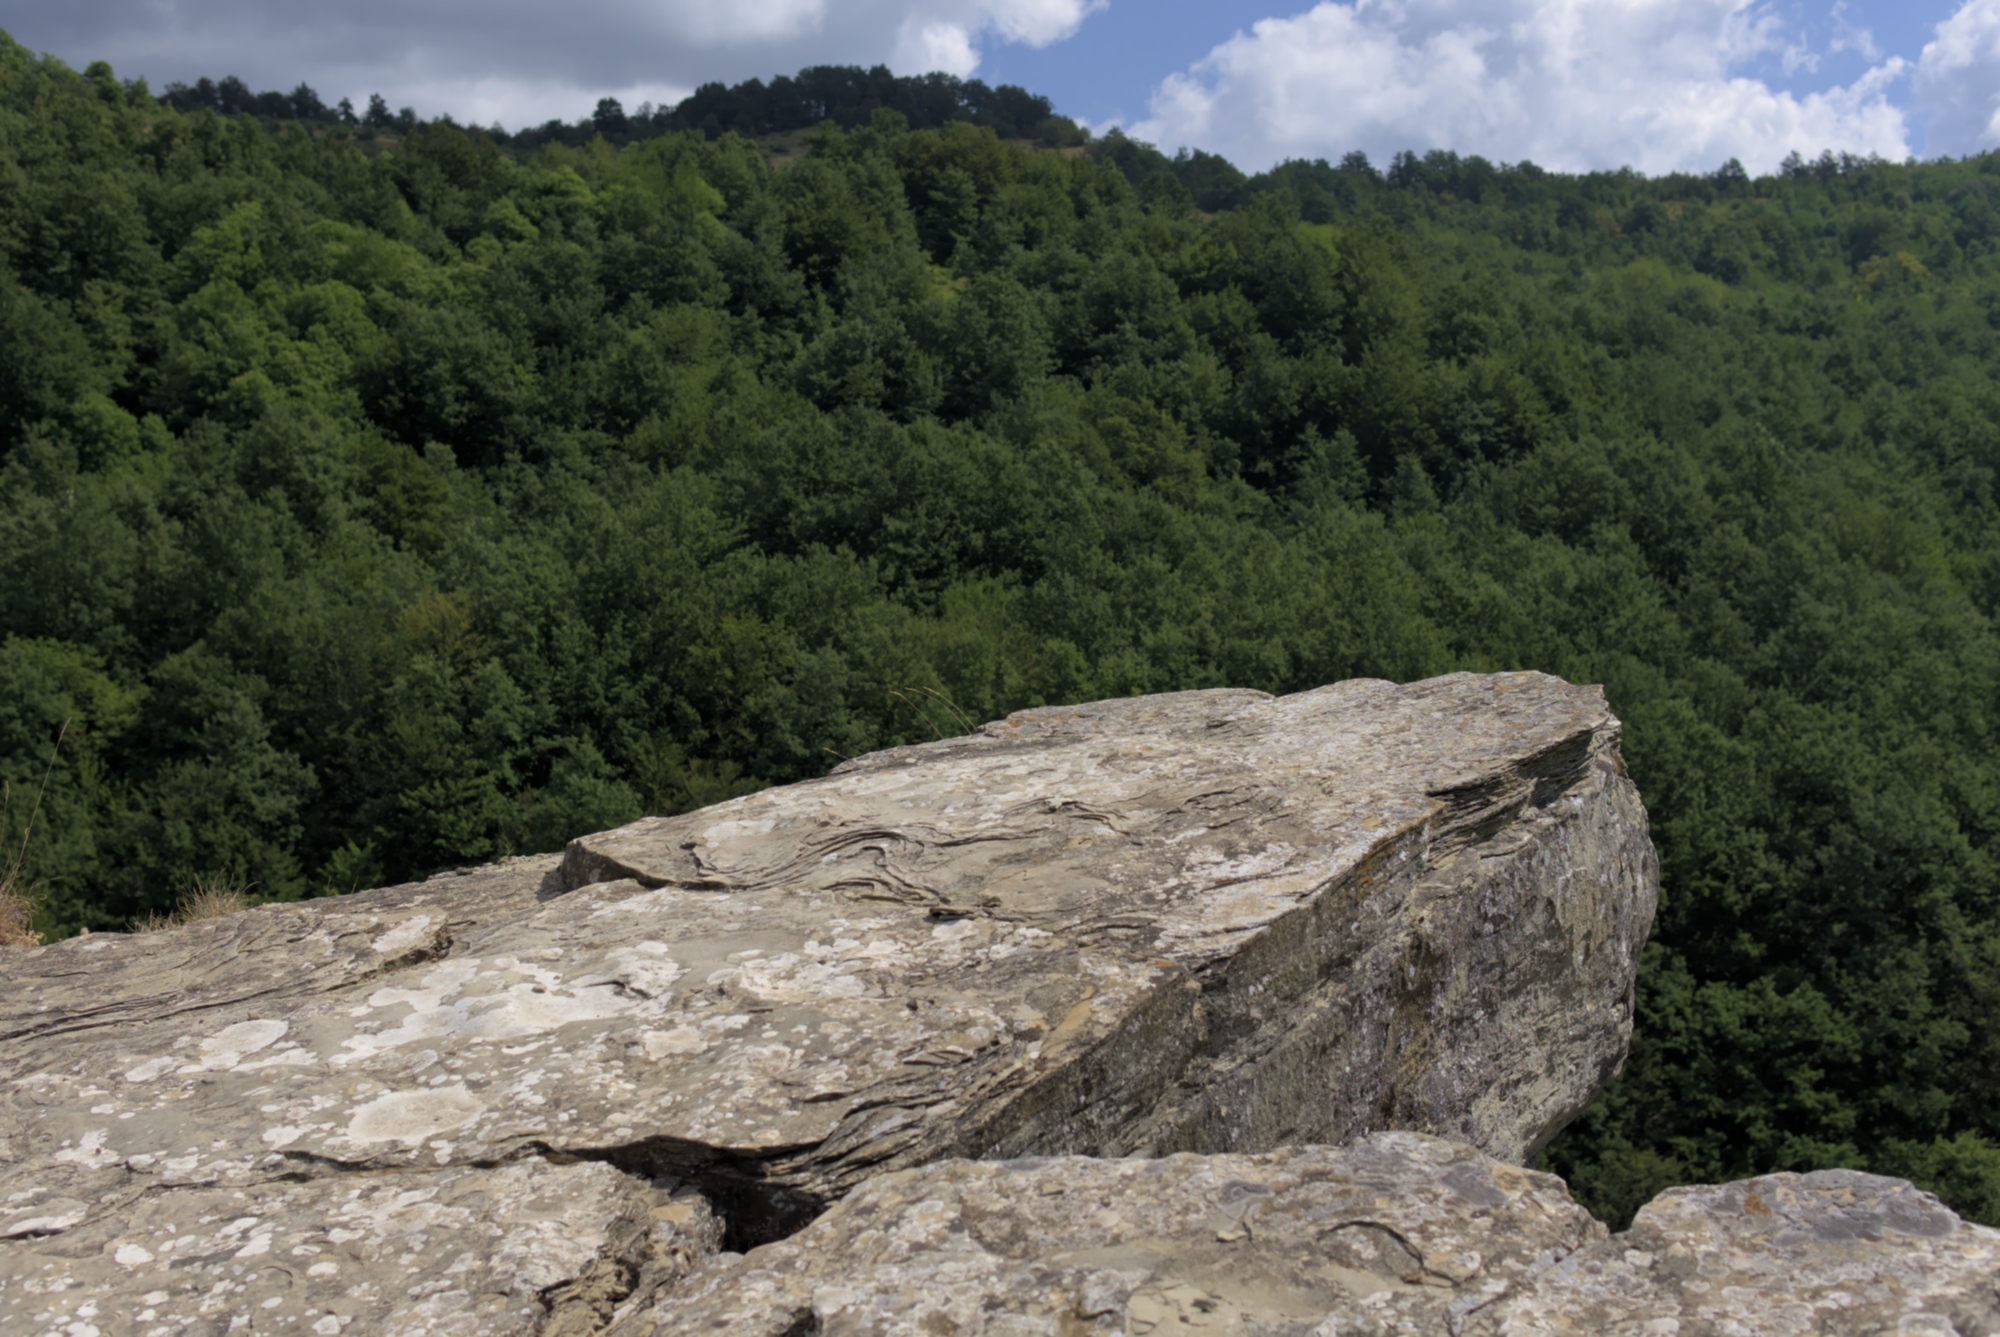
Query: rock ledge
<point x="1212" y="922"/>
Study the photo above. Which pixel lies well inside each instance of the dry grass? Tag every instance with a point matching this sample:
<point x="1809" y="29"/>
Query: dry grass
<point x="932" y="706"/>
<point x="207" y="900"/>
<point x="17" y="898"/>
<point x="17" y="911"/>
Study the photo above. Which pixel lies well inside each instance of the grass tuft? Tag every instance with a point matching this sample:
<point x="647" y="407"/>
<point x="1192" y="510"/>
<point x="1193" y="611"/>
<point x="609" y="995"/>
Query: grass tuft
<point x="207" y="900"/>
<point x="17" y="911"/>
<point x="930" y="706"/>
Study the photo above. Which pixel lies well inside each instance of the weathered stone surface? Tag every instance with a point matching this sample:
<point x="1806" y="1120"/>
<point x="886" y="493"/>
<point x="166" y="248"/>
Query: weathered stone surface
<point x="1398" y="1234"/>
<point x="1212" y="921"/>
<point x="1197" y="922"/>
<point x="520" y="1248"/>
<point x="1835" y="1252"/>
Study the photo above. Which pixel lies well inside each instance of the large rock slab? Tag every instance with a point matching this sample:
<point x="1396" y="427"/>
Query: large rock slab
<point x="1397" y="1234"/>
<point x="1216" y="921"/>
<point x="1206" y="921"/>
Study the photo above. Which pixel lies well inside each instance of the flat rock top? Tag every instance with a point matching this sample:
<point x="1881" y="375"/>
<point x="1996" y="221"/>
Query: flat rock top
<point x="1183" y="822"/>
<point x="795" y="988"/>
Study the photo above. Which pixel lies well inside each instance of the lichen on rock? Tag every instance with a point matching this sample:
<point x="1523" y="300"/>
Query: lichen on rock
<point x="1211" y="922"/>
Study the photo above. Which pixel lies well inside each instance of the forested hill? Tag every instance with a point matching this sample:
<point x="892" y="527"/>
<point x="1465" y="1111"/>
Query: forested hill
<point x="377" y="503"/>
<point x="846" y="95"/>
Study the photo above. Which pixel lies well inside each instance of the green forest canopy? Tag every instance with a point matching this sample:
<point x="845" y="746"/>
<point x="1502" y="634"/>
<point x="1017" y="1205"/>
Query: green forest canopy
<point x="377" y="499"/>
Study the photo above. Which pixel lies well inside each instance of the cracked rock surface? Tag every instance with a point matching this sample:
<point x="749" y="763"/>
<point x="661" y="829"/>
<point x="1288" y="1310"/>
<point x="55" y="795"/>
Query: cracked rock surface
<point x="1397" y="1234"/>
<point x="1213" y="921"/>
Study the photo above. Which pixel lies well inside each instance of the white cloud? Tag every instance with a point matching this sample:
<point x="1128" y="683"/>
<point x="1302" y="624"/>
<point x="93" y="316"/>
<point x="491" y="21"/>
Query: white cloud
<point x="1958" y="76"/>
<point x="523" y="61"/>
<point x="1849" y="37"/>
<point x="1570" y="84"/>
<point x="946" y="36"/>
<point x="930" y="45"/>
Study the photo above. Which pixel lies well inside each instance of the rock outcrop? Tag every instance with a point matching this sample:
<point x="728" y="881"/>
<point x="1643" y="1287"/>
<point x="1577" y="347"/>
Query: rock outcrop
<point x="1834" y="1253"/>
<point x="1213" y="922"/>
<point x="1398" y="1235"/>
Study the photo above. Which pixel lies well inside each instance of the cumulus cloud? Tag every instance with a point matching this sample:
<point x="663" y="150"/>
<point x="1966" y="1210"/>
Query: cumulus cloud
<point x="522" y="61"/>
<point x="1570" y="84"/>
<point x="1958" y="79"/>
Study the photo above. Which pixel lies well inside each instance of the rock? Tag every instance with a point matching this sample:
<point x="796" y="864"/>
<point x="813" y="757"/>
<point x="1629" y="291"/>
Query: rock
<point x="1206" y="921"/>
<point x="1215" y="921"/>
<point x="527" y="1248"/>
<point x="1397" y="1234"/>
<point x="1834" y="1253"/>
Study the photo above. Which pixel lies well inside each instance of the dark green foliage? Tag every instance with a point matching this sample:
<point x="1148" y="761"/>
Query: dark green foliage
<point x="845" y="95"/>
<point x="376" y="502"/>
<point x="850" y="96"/>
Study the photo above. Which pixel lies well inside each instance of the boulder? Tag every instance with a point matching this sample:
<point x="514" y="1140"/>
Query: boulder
<point x="1398" y="1234"/>
<point x="1834" y="1253"/>
<point x="1206" y="922"/>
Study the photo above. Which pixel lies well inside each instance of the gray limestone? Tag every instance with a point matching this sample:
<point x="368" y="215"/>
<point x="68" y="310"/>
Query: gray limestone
<point x="1396" y="1234"/>
<point x="521" y="1248"/>
<point x="1399" y="1233"/>
<point x="1834" y="1253"/>
<point x="1210" y="922"/>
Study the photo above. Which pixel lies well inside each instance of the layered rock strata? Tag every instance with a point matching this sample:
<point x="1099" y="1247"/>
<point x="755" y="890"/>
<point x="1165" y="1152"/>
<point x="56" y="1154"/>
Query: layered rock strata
<point x="1214" y="922"/>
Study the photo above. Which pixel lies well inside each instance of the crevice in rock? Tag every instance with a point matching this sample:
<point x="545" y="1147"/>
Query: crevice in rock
<point x="754" y="1208"/>
<point x="805" y="1325"/>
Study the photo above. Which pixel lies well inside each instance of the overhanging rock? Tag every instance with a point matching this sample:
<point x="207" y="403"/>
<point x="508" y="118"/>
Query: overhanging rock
<point x="1214" y="921"/>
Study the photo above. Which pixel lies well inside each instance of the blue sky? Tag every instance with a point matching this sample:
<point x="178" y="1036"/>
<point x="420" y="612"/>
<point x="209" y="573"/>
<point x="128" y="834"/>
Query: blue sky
<point x="1656" y="84"/>
<point x="1119" y="55"/>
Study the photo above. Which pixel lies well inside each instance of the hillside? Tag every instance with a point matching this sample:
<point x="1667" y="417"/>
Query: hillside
<point x="376" y="501"/>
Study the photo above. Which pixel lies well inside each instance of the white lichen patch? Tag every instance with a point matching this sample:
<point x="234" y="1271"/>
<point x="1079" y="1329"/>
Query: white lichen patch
<point x="232" y="1044"/>
<point x="408" y="934"/>
<point x="48" y="1217"/>
<point x="412" y="1116"/>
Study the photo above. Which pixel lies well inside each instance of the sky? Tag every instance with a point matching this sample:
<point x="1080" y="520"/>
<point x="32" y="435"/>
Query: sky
<point x="1659" y="85"/>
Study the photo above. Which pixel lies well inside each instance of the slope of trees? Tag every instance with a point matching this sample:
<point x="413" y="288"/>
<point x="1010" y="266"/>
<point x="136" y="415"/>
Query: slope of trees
<point x="368" y="508"/>
<point x="846" y="95"/>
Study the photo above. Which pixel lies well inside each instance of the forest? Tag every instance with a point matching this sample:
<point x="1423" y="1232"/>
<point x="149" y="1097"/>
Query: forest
<point x="379" y="497"/>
